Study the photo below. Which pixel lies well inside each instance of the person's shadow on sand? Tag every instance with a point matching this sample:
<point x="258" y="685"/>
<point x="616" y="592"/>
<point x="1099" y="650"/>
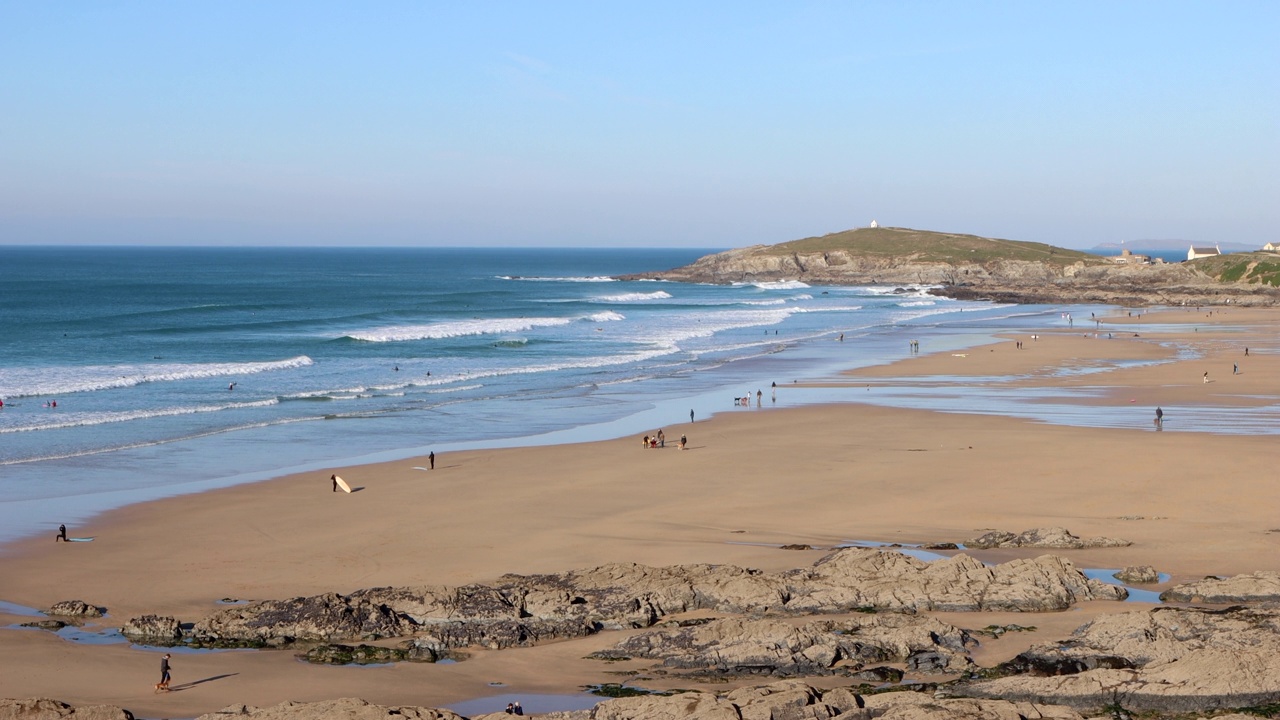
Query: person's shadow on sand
<point x="193" y="683"/>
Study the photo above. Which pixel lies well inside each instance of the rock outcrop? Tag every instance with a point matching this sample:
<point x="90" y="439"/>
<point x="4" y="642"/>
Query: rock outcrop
<point x="1138" y="575"/>
<point x="968" y="267"/>
<point x="1165" y="659"/>
<point x="1056" y="538"/>
<point x="46" y="709"/>
<point x="345" y="708"/>
<point x="74" y="608"/>
<point x="1262" y="586"/>
<point x="153" y="629"/>
<point x="736" y="646"/>
<point x="524" y="610"/>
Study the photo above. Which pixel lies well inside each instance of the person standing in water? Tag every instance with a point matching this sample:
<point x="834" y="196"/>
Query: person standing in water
<point x="690" y="416"/>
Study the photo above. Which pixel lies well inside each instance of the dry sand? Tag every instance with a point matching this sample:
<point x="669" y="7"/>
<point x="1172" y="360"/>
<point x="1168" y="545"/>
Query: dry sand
<point x="1193" y="504"/>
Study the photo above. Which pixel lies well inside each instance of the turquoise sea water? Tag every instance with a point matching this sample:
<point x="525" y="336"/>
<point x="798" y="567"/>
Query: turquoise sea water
<point x="177" y="370"/>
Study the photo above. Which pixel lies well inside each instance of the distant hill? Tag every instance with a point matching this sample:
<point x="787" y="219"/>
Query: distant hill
<point x="972" y="267"/>
<point x="927" y="246"/>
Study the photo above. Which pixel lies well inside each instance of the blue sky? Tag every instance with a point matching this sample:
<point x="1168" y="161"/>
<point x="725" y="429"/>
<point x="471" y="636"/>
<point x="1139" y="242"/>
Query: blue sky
<point x="701" y="124"/>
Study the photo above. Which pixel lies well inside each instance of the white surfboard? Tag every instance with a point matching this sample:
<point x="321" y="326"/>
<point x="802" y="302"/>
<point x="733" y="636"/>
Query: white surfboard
<point x="85" y="539"/>
<point x="342" y="484"/>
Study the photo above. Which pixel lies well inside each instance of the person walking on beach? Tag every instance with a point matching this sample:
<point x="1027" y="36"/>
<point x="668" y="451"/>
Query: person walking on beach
<point x="1159" y="418"/>
<point x="690" y="416"/>
<point x="163" y="685"/>
<point x="334" y="479"/>
<point x="1206" y="377"/>
<point x="431" y="458"/>
<point x="62" y="534"/>
<point x="662" y="438"/>
<point x="1235" y="369"/>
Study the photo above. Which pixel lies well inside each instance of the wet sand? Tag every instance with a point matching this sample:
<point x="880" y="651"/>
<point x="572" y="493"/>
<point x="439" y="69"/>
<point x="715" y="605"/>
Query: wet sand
<point x="1194" y="504"/>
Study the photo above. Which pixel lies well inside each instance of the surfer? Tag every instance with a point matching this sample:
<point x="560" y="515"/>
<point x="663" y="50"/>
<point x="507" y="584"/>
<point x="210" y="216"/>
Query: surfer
<point x="431" y="456"/>
<point x="62" y="534"/>
<point x="334" y="478"/>
<point x="232" y="386"/>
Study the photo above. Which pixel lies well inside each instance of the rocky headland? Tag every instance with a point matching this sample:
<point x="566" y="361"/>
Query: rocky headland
<point x="975" y="268"/>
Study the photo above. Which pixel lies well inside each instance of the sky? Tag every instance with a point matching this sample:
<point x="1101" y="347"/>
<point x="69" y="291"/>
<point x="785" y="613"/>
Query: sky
<point x="636" y="124"/>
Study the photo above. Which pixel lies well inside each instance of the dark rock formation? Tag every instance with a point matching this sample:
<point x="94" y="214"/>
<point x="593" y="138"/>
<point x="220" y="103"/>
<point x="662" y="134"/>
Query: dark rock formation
<point x="1053" y="537"/>
<point x="153" y="629"/>
<point x="74" y="608"/>
<point x="51" y="625"/>
<point x="523" y="610"/>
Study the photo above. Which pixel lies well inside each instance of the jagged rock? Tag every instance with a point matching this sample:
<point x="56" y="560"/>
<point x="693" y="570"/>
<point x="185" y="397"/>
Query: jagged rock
<point x="1261" y="586"/>
<point x="1053" y="537"/>
<point x="51" y="625"/>
<point x="153" y="628"/>
<point x="1138" y="575"/>
<point x="46" y="709"/>
<point x="524" y="610"/>
<point x="796" y="546"/>
<point x="859" y="578"/>
<point x="1165" y="659"/>
<point x="354" y="655"/>
<point x="739" y="646"/>
<point x="921" y="706"/>
<point x="877" y="675"/>
<point x="319" y="618"/>
<point x="344" y="708"/>
<point x="74" y="608"/>
<point x="940" y="546"/>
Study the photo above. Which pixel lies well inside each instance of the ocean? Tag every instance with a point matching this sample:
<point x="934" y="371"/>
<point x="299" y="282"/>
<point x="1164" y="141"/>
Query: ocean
<point x="134" y="373"/>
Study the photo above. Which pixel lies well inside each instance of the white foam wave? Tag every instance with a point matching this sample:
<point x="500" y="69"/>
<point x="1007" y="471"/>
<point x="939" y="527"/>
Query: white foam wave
<point x="633" y="297"/>
<point x="607" y="316"/>
<point x="459" y="328"/>
<point x="917" y="303"/>
<point x="777" y="285"/>
<point x="58" y="420"/>
<point x="764" y="302"/>
<point x="23" y="382"/>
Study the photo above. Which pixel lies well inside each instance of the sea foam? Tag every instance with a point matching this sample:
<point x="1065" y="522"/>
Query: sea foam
<point x="65" y="380"/>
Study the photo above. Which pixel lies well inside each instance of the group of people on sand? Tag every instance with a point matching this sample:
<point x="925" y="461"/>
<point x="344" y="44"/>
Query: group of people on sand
<point x="659" y="440"/>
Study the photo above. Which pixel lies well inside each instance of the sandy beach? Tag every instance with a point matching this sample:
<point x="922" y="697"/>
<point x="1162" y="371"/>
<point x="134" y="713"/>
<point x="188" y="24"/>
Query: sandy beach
<point x="1193" y="504"/>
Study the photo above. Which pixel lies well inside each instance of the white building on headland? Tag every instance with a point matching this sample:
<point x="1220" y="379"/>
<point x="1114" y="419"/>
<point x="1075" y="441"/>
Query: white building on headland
<point x="1271" y="247"/>
<point x="1199" y="252"/>
<point x="875" y="224"/>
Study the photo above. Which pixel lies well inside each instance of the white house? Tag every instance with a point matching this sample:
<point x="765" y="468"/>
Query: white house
<point x="875" y="224"/>
<point x="1199" y="252"/>
<point x="1271" y="247"/>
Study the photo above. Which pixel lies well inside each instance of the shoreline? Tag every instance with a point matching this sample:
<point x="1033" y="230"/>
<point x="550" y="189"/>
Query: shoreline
<point x="817" y="474"/>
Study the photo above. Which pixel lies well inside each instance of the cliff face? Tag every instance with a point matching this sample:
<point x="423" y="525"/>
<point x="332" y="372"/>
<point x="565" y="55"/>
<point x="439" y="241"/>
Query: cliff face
<point x="1007" y="280"/>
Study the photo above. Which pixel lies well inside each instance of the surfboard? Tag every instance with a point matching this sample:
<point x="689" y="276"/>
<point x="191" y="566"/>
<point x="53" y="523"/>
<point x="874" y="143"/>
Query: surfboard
<point x="415" y="467"/>
<point x="342" y="484"/>
<point x="88" y="539"/>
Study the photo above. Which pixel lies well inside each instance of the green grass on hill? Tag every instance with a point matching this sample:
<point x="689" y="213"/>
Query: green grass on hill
<point x="926" y="246"/>
<point x="1254" y="267"/>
